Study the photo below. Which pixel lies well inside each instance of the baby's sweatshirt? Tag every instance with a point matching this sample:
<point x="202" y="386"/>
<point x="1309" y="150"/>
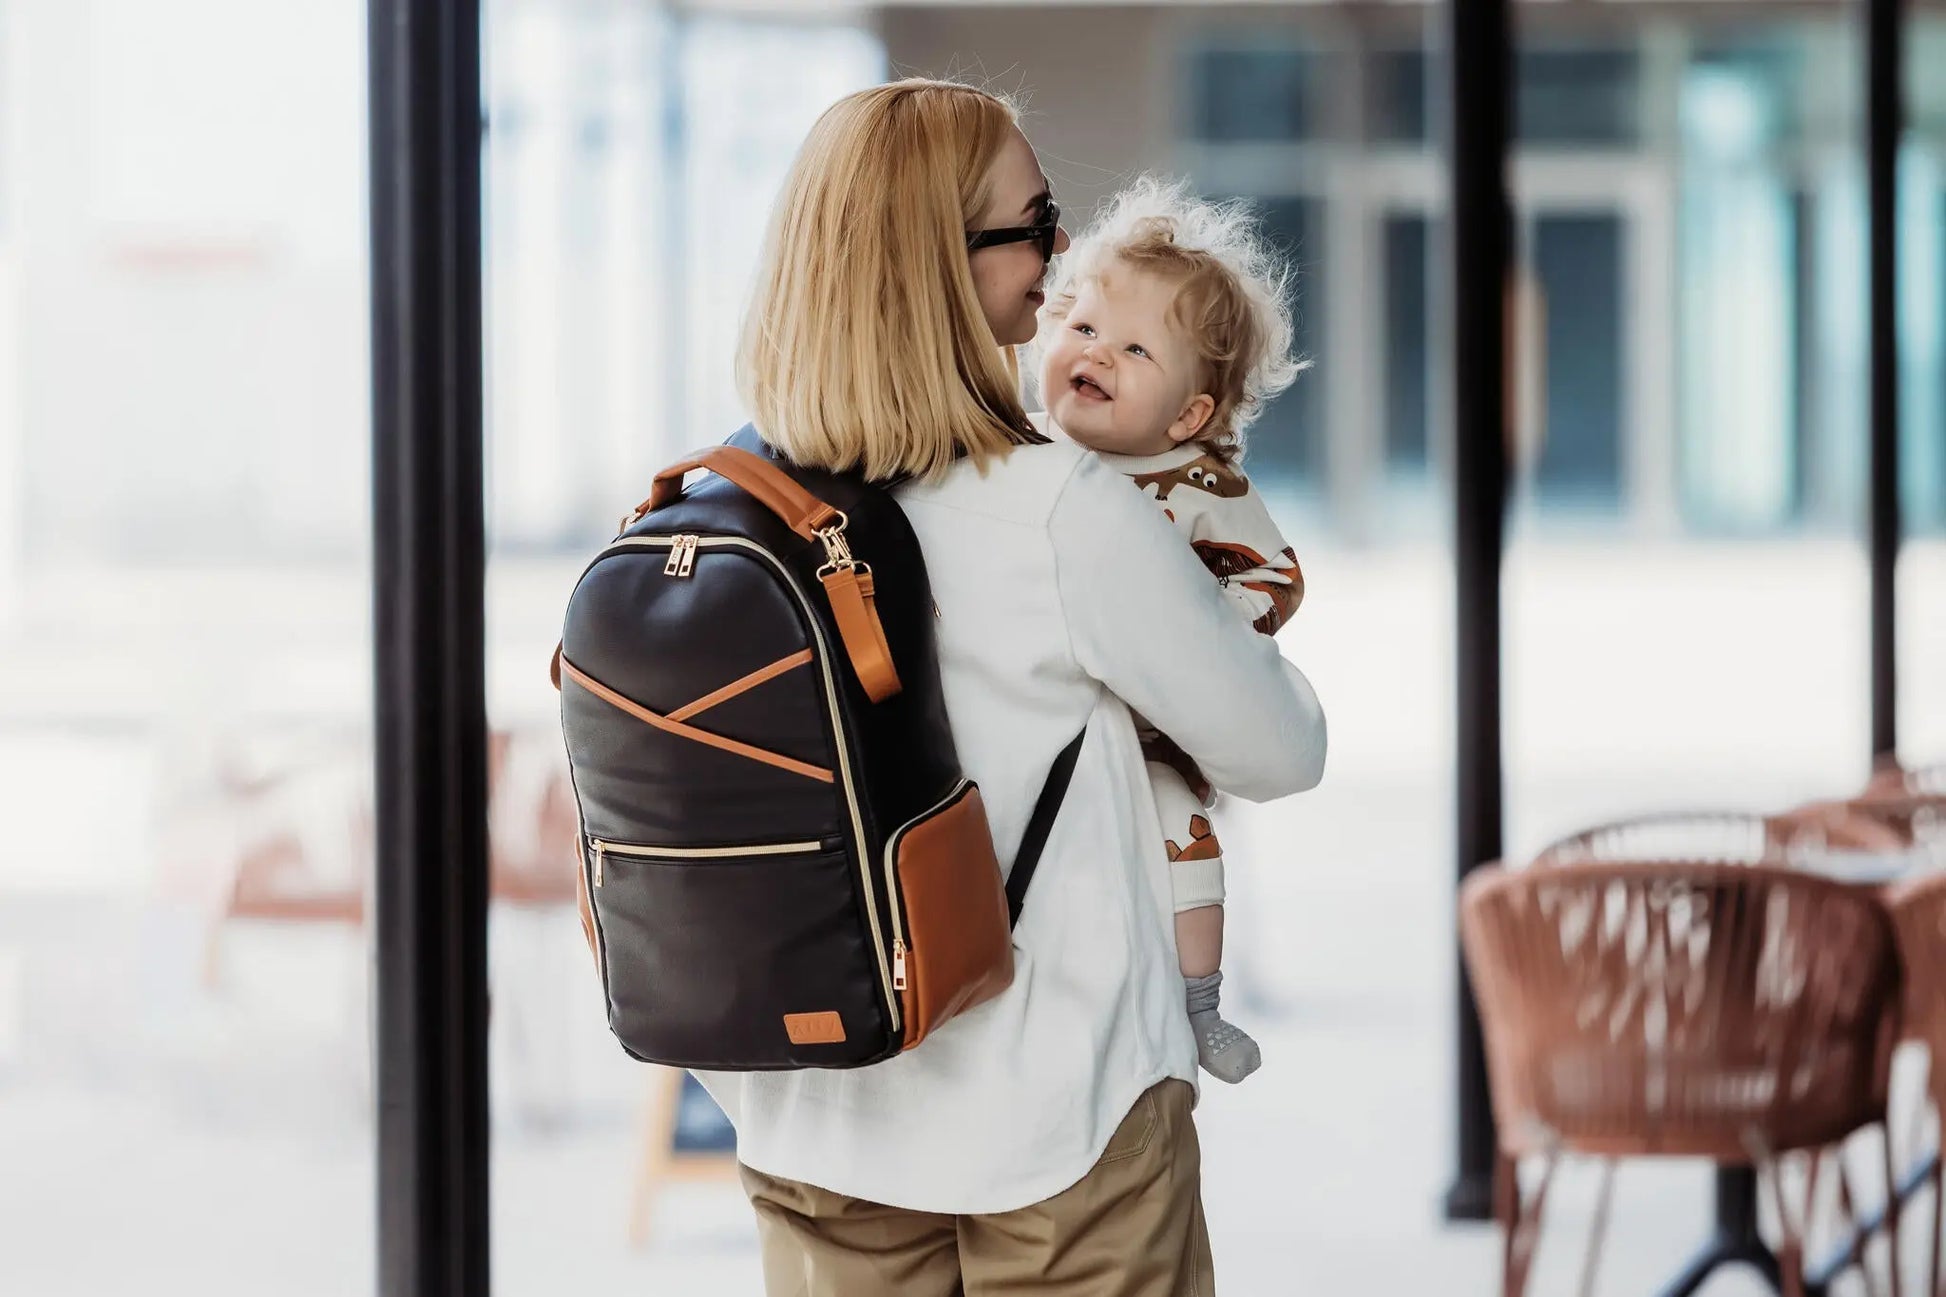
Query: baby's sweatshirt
<point x="1224" y="519"/>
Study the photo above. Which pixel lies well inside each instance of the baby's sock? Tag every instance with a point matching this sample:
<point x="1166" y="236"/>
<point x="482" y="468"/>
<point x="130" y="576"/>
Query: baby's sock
<point x="1225" y="1051"/>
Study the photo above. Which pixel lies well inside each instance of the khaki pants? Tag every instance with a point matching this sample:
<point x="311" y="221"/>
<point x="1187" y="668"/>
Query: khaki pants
<point x="1133" y="1227"/>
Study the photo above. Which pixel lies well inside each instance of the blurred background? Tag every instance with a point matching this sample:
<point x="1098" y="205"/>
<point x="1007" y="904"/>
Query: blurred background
<point x="185" y="659"/>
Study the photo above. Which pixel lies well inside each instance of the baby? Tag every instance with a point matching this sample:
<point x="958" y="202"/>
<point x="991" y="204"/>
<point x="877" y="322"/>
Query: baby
<point x="1165" y="333"/>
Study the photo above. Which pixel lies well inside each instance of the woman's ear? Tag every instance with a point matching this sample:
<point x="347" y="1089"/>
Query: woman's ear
<point x="1194" y="417"/>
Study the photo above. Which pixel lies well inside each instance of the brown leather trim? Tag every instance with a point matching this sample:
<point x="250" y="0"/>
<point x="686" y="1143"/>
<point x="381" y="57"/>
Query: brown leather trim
<point x="814" y="1028"/>
<point x="554" y="667"/>
<point x="959" y="949"/>
<point x="851" y="595"/>
<point x="769" y="485"/>
<point x="735" y="687"/>
<point x="641" y="713"/>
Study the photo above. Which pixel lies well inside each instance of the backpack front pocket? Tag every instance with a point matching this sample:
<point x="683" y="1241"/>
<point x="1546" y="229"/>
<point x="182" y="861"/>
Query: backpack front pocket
<point x="957" y="950"/>
<point x="749" y="955"/>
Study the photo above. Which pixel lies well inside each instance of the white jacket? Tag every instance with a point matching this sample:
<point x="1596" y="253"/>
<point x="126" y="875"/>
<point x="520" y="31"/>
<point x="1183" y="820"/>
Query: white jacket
<point x="1065" y="598"/>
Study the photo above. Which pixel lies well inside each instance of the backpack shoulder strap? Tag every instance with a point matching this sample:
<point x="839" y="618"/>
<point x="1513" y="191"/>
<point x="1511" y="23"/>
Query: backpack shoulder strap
<point x="1039" y="825"/>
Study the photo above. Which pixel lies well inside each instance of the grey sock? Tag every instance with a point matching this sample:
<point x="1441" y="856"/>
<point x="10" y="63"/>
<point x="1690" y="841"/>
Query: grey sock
<point x="1225" y="1051"/>
<point x="1204" y="992"/>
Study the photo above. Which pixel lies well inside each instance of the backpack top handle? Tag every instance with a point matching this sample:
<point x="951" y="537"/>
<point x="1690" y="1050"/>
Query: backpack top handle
<point x="847" y="581"/>
<point x="767" y="484"/>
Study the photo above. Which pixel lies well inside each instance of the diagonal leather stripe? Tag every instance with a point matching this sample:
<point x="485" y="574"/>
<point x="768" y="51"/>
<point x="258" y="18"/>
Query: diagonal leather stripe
<point x="641" y="713"/>
<point x="735" y="687"/>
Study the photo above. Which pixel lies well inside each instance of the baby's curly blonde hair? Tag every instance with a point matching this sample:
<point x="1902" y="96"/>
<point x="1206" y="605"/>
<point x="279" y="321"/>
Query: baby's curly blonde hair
<point x="1232" y="298"/>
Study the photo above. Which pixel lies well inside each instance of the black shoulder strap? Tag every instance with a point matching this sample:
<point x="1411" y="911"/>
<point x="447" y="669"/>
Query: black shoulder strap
<point x="1039" y="825"/>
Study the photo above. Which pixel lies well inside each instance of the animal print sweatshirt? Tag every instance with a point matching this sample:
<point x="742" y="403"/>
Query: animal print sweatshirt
<point x="1224" y="519"/>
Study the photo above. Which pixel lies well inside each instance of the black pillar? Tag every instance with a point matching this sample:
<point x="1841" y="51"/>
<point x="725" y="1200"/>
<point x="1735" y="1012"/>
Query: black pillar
<point x="1884" y="119"/>
<point x="1479" y="82"/>
<point x="429" y="622"/>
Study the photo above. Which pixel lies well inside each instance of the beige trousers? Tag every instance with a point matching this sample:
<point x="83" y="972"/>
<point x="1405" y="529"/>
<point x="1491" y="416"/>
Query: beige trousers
<point x="1133" y="1227"/>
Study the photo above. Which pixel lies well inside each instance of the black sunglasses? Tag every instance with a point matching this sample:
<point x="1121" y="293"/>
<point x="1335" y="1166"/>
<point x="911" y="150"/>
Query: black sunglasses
<point x="1041" y="232"/>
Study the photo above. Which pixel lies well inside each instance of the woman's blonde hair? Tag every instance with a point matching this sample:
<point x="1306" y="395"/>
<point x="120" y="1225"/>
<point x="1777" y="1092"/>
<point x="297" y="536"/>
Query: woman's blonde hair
<point x="1232" y="294"/>
<point x="865" y="346"/>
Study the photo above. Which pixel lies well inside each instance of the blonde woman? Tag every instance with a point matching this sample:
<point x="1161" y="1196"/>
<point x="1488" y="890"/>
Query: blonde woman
<point x="1041" y="1143"/>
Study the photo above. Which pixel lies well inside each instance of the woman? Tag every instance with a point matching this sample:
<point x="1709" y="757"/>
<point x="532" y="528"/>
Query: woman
<point x="1041" y="1142"/>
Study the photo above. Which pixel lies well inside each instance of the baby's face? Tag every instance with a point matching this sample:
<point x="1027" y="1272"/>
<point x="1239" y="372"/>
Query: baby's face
<point x="1119" y="375"/>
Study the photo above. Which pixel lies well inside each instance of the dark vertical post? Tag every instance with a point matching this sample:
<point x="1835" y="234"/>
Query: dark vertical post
<point x="1479" y="76"/>
<point x="429" y="622"/>
<point x="1884" y="119"/>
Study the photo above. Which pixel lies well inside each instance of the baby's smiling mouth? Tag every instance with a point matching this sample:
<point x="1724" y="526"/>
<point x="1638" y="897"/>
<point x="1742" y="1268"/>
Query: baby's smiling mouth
<point x="1088" y="387"/>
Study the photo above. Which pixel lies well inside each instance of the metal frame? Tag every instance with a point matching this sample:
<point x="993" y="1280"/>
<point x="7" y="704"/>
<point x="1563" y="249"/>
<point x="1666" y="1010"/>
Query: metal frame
<point x="1884" y="120"/>
<point x="1479" y="116"/>
<point x="429" y="645"/>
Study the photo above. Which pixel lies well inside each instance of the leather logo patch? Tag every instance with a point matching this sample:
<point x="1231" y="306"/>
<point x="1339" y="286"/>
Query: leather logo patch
<point x="814" y="1028"/>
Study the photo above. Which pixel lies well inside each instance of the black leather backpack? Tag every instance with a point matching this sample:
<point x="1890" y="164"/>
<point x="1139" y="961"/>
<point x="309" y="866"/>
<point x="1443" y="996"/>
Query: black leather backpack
<point x="783" y="865"/>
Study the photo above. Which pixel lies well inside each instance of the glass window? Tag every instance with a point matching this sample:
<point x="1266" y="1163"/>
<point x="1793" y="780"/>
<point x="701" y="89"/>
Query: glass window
<point x="1286" y="443"/>
<point x="1579" y="259"/>
<point x="1239" y="96"/>
<point x="1922" y="356"/>
<point x="1922" y="336"/>
<point x="1737" y="306"/>
<point x="1769" y="65"/>
<point x="1577" y="96"/>
<point x="1408" y="339"/>
<point x="1398" y="92"/>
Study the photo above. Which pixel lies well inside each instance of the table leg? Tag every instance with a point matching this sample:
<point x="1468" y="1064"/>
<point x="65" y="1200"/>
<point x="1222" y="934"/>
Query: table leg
<point x="1736" y="1241"/>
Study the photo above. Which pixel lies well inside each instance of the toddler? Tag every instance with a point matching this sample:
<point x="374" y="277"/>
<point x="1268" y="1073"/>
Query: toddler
<point x="1165" y="333"/>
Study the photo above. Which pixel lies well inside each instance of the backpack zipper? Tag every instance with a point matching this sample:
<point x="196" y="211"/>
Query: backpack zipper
<point x="604" y="848"/>
<point x="682" y="556"/>
<point x="690" y="544"/>
<point x="899" y="949"/>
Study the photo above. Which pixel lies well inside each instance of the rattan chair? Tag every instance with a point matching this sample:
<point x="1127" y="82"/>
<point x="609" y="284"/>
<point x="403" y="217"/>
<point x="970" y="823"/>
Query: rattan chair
<point x="1918" y="909"/>
<point x="1716" y="837"/>
<point x="1730" y="1012"/>
<point x="1726" y="837"/>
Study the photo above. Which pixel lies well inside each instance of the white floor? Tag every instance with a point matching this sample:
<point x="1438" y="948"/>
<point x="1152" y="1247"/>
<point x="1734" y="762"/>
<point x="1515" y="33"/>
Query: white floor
<point x="162" y="1138"/>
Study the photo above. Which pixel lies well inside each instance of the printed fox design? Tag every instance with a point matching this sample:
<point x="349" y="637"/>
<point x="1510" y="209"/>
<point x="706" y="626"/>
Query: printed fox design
<point x="1202" y="842"/>
<point x="1227" y="559"/>
<point x="1204" y="473"/>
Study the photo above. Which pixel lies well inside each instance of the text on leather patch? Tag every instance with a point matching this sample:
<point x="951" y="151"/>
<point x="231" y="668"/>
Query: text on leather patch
<point x="814" y="1028"/>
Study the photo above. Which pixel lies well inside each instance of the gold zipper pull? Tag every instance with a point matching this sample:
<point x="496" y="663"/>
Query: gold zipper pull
<point x="688" y="555"/>
<point x="601" y="861"/>
<point x="898" y="963"/>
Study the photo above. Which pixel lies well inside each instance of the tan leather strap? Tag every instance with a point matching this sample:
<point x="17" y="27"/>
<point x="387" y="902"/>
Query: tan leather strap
<point x="850" y="592"/>
<point x="769" y="485"/>
<point x="641" y="713"/>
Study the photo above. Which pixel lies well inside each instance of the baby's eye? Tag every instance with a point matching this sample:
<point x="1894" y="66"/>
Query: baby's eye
<point x="1137" y="349"/>
<point x="1085" y="330"/>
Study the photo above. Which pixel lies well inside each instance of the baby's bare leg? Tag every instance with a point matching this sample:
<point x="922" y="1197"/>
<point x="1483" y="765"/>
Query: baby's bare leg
<point x="1199" y="940"/>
